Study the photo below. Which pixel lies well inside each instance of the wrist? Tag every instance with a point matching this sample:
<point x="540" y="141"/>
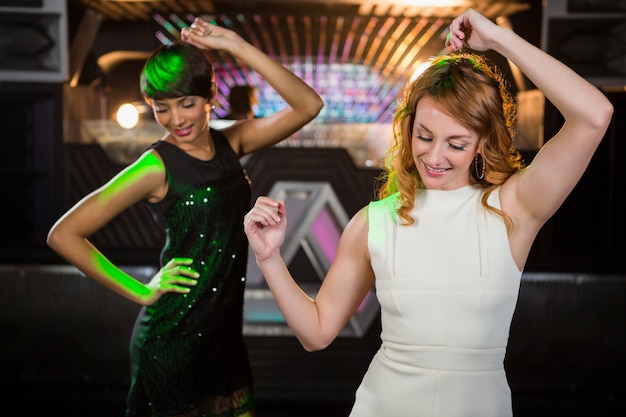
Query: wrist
<point x="270" y="260"/>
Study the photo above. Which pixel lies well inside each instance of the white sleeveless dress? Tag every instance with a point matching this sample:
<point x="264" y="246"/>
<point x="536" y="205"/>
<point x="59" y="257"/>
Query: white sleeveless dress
<point x="447" y="287"/>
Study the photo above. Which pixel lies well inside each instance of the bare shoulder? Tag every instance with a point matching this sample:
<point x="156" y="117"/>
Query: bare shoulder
<point x="354" y="236"/>
<point x="144" y="178"/>
<point x="359" y="222"/>
<point x="149" y="165"/>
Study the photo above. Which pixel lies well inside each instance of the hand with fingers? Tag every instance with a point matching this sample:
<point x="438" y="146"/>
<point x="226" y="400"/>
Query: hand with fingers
<point x="472" y="30"/>
<point x="265" y="226"/>
<point x="205" y="35"/>
<point x="176" y="276"/>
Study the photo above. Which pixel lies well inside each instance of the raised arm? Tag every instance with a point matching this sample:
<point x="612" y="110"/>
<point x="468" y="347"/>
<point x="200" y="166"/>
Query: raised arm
<point x="303" y="103"/>
<point x="543" y="186"/>
<point x="69" y="236"/>
<point x="316" y="322"/>
<point x="532" y="196"/>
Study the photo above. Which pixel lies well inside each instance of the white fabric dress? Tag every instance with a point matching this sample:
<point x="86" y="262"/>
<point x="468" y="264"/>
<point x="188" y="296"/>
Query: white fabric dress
<point x="447" y="287"/>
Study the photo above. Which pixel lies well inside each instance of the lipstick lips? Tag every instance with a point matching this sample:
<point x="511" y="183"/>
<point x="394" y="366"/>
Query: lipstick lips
<point x="435" y="171"/>
<point x="183" y="132"/>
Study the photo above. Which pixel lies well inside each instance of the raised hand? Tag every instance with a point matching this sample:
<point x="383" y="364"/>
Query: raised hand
<point x="265" y="226"/>
<point x="204" y="35"/>
<point x="473" y="30"/>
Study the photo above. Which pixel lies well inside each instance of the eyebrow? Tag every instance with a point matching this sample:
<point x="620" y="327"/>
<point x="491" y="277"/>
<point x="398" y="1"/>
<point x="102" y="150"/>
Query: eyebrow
<point x="418" y="124"/>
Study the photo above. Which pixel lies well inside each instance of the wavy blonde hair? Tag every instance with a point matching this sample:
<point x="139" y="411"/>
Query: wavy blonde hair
<point x="472" y="90"/>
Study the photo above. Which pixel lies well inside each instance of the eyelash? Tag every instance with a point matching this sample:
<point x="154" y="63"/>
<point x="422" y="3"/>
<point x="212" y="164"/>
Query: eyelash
<point x="455" y="147"/>
<point x="185" y="106"/>
<point x="424" y="138"/>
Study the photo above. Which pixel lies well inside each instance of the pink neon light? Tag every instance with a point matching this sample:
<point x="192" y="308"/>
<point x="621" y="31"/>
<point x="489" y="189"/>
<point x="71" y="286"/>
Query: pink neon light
<point x="326" y="233"/>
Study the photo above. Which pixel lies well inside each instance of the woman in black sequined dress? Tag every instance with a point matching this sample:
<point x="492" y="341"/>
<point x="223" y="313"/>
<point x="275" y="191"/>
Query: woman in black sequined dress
<point x="188" y="353"/>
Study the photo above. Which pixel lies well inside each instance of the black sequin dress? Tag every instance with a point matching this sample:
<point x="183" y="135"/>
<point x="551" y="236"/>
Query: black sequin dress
<point x="188" y="354"/>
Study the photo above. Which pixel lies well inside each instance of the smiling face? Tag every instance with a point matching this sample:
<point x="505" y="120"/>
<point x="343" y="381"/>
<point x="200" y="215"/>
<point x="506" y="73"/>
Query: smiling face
<point x="443" y="148"/>
<point x="185" y="118"/>
<point x="177" y="82"/>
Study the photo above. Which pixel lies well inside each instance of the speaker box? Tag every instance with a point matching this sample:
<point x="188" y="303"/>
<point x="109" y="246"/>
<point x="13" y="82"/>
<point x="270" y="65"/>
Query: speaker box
<point x="589" y="37"/>
<point x="33" y="41"/>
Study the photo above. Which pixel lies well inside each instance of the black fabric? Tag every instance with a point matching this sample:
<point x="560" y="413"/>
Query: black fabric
<point x="187" y="352"/>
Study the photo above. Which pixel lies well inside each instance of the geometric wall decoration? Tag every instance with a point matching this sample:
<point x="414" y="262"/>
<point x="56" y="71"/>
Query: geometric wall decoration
<point x="315" y="221"/>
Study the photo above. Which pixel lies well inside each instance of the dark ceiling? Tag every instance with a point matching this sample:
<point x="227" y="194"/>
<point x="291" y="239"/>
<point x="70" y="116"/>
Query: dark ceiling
<point x="356" y="54"/>
<point x="137" y="10"/>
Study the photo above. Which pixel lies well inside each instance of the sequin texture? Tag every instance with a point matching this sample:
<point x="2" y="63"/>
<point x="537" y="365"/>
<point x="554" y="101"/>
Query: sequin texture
<point x="188" y="353"/>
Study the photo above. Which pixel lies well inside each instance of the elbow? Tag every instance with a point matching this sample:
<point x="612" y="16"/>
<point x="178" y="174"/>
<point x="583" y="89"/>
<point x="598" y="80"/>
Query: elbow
<point x="314" y="346"/>
<point x="56" y="238"/>
<point x="315" y="108"/>
<point x="320" y="105"/>
<point x="306" y="111"/>
<point x="52" y="238"/>
<point x="603" y="114"/>
<point x="596" y="121"/>
<point x="317" y="344"/>
<point x="607" y="112"/>
<point x="309" y="348"/>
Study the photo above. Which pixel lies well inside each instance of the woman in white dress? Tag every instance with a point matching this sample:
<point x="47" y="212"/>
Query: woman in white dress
<point x="446" y="243"/>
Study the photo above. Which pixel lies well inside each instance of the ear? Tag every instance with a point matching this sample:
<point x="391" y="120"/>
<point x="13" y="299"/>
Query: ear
<point x="213" y="91"/>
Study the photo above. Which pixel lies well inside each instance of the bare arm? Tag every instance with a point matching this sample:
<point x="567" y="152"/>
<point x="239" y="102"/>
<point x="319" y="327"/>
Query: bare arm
<point x="532" y="196"/>
<point x="303" y="103"/>
<point x="316" y="322"/>
<point x="69" y="235"/>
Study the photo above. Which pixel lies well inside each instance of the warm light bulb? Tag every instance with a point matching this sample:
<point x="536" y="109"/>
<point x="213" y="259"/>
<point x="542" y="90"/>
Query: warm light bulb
<point x="127" y="116"/>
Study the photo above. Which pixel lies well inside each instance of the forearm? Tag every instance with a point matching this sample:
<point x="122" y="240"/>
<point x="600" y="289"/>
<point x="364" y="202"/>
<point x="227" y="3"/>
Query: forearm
<point x="578" y="100"/>
<point x="299" y="310"/>
<point x="87" y="259"/>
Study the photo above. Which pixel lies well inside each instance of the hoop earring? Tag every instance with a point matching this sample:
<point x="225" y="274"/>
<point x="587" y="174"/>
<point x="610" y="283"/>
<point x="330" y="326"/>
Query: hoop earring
<point x="479" y="167"/>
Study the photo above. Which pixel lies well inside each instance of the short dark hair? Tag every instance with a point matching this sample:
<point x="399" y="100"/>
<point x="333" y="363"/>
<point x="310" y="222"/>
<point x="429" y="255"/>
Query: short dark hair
<point x="175" y="70"/>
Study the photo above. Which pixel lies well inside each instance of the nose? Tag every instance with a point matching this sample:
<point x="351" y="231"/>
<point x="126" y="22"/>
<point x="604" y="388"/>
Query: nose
<point x="436" y="154"/>
<point x="176" y="118"/>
